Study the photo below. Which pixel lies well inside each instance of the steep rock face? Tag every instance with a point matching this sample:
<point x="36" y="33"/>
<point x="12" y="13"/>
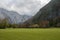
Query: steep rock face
<point x="13" y="17"/>
<point x="50" y="11"/>
<point x="48" y="15"/>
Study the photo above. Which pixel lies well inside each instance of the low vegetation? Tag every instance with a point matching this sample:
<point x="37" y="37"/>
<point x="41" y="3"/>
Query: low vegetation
<point x="30" y="34"/>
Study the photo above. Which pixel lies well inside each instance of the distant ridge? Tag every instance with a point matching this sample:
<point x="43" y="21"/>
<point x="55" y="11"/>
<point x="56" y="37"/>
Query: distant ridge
<point x="13" y="16"/>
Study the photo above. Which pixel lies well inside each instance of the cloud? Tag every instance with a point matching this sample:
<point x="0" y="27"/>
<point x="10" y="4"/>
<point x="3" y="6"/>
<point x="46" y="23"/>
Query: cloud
<point x="28" y="7"/>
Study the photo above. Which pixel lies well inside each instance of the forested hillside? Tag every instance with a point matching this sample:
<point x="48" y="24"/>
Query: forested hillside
<point x="48" y="16"/>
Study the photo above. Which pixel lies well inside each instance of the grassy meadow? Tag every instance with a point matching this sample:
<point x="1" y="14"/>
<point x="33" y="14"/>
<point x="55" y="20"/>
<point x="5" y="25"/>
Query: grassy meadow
<point x="30" y="34"/>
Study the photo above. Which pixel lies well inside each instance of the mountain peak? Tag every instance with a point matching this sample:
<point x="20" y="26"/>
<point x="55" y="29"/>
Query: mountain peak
<point x="48" y="14"/>
<point x="13" y="16"/>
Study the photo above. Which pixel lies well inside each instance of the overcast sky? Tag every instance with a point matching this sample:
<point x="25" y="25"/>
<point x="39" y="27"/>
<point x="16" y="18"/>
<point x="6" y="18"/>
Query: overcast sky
<point x="27" y="7"/>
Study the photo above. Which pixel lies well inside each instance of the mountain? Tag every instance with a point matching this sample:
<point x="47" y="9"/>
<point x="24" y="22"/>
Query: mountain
<point x="49" y="14"/>
<point x="12" y="16"/>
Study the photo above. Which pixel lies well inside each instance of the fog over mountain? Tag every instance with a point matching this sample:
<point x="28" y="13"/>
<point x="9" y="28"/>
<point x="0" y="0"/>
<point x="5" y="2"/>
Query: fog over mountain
<point x="12" y="16"/>
<point x="27" y="7"/>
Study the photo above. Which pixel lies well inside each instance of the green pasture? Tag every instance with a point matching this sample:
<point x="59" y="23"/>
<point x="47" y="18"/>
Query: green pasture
<point x="30" y="34"/>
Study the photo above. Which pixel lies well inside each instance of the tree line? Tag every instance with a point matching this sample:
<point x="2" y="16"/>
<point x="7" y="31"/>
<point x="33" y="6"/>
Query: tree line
<point x="43" y="24"/>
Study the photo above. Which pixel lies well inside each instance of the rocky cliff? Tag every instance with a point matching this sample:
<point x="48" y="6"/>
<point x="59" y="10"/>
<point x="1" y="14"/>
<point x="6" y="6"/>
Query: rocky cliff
<point x="49" y="13"/>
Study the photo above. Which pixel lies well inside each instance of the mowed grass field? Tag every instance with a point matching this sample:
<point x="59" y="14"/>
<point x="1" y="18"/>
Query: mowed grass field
<point x="30" y="34"/>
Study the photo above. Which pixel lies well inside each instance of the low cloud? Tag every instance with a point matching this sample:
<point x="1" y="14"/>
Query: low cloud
<point x="27" y="7"/>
